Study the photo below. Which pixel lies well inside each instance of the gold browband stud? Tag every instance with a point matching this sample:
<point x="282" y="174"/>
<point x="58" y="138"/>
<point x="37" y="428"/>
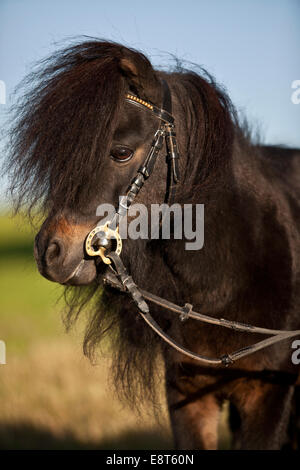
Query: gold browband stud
<point x="138" y="100"/>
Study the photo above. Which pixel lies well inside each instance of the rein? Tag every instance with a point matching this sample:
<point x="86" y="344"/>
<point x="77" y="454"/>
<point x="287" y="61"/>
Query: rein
<point x="98" y="240"/>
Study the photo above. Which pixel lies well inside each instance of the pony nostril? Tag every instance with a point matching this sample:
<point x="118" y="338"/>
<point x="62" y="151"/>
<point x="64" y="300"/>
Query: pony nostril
<point x="54" y="252"/>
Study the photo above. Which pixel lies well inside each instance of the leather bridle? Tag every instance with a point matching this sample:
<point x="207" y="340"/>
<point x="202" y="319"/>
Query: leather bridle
<point x="117" y="276"/>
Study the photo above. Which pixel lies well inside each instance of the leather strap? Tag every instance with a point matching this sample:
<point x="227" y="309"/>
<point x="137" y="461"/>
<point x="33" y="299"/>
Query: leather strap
<point x="171" y="142"/>
<point x="167" y="124"/>
<point x="114" y="280"/>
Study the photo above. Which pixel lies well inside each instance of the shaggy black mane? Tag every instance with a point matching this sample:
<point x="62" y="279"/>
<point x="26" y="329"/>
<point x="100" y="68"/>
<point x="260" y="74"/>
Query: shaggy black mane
<point x="63" y="125"/>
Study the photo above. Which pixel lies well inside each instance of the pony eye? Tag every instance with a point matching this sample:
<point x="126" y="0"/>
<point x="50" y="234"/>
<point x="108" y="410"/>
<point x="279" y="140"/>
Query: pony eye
<point x="121" y="154"/>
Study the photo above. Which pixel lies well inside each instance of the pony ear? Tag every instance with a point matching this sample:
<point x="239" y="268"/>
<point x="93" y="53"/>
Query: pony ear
<point x="141" y="76"/>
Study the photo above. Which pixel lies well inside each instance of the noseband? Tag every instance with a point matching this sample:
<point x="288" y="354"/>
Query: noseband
<point x="117" y="276"/>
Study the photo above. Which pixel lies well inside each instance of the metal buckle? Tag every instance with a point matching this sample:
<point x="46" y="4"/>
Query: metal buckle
<point x="108" y="235"/>
<point x="185" y="312"/>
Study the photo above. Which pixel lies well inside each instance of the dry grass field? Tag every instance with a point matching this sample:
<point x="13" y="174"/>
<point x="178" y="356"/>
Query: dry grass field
<point x="51" y="396"/>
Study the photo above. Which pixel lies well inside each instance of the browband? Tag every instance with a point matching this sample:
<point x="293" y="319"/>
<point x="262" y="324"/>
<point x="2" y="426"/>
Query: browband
<point x="164" y="113"/>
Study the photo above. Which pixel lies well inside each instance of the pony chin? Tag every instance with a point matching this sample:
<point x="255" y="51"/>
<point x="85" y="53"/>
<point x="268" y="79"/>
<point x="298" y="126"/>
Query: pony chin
<point x="85" y="273"/>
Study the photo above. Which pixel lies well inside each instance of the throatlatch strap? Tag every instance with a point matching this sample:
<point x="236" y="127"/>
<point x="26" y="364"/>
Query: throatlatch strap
<point x="167" y="99"/>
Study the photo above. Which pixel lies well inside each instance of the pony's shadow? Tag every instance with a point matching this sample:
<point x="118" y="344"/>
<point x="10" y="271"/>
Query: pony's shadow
<point x="25" y="436"/>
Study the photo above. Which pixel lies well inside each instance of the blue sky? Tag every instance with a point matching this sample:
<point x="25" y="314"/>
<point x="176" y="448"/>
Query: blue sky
<point x="252" y="47"/>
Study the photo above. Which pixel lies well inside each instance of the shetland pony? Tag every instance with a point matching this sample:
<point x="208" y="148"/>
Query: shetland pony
<point x="72" y="119"/>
